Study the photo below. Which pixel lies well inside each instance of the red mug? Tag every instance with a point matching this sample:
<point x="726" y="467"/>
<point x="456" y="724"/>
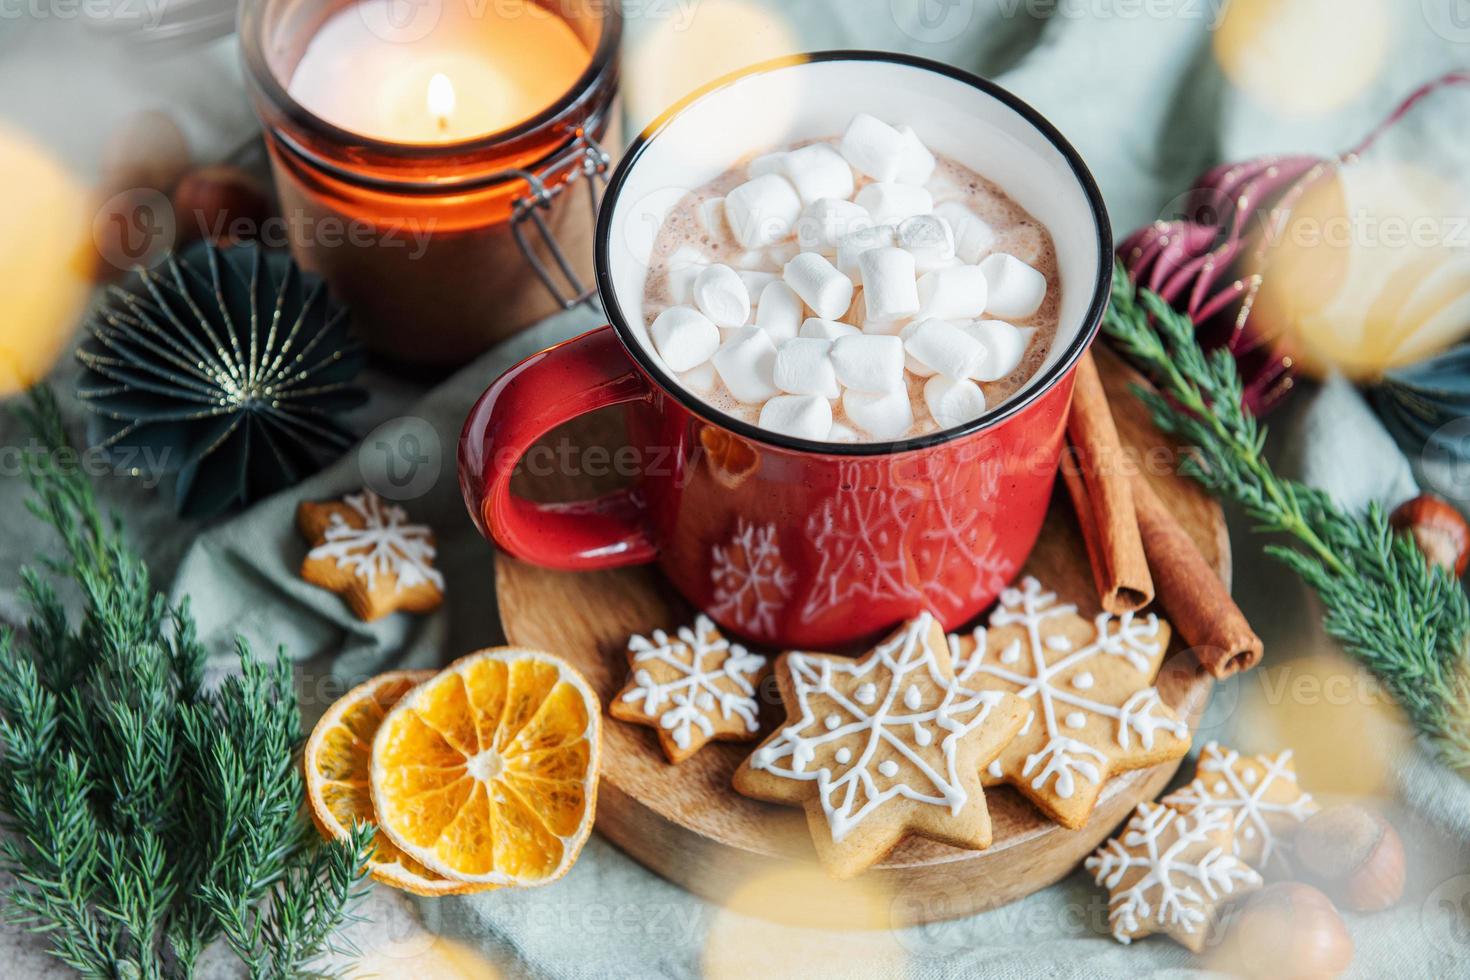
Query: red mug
<point x="791" y="543"/>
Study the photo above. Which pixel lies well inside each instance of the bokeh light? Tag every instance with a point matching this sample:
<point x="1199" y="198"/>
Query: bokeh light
<point x="45" y="249"/>
<point x="1304" y="57"/>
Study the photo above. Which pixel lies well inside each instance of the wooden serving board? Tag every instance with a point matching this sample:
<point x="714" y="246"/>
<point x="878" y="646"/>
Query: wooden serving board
<point x="687" y="824"/>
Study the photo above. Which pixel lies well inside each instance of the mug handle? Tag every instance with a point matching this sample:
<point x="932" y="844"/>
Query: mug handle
<point x="537" y="395"/>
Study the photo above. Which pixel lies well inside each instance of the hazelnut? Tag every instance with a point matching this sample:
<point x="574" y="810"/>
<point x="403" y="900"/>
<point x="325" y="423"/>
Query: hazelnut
<point x="1355" y="854"/>
<point x="1287" y="931"/>
<point x="147" y="152"/>
<point x="222" y="203"/>
<point x="1438" y="529"/>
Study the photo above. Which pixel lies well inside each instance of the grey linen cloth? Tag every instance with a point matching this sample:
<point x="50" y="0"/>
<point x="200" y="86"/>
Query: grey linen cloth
<point x="1138" y="90"/>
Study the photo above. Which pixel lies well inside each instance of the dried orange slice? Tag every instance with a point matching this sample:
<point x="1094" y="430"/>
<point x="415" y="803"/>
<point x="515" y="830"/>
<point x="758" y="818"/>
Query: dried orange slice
<point x="488" y="772"/>
<point x="337" y="763"/>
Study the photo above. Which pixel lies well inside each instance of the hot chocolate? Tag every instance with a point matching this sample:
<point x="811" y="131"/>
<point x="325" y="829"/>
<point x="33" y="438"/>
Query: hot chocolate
<point x="853" y="290"/>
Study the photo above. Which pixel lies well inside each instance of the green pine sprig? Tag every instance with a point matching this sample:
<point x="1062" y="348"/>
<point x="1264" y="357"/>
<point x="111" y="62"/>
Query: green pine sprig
<point x="1407" y="621"/>
<point x="149" y="815"/>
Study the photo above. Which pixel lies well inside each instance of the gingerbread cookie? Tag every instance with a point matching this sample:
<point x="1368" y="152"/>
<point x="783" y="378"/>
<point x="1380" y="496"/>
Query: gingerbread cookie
<point x="881" y="747"/>
<point x="1170" y="872"/>
<point x="692" y="688"/>
<point x="365" y="550"/>
<point x="1262" y="796"/>
<point x="1090" y="684"/>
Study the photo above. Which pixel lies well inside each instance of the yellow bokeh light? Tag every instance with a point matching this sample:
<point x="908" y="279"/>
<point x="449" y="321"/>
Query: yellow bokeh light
<point x="697" y="44"/>
<point x="798" y="922"/>
<point x="1344" y="729"/>
<point x="1303" y="57"/>
<point x="1367" y="274"/>
<point x="423" y="958"/>
<point x="46" y="252"/>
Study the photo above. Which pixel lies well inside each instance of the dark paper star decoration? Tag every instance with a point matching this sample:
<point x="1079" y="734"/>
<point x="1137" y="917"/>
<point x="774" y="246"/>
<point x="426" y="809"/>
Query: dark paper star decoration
<point x="225" y="367"/>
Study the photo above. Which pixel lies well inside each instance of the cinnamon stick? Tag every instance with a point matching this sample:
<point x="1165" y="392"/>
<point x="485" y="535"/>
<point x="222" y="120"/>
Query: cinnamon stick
<point x="1192" y="595"/>
<point x="1103" y="497"/>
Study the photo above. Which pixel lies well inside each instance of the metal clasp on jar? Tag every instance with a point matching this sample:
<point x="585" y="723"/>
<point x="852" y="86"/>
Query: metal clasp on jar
<point x="583" y="158"/>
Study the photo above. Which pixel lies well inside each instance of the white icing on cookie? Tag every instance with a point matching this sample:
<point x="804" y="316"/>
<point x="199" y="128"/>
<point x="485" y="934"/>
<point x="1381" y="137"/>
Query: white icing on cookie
<point x="946" y="714"/>
<point x="1172" y="891"/>
<point x="690" y="700"/>
<point x="1234" y="785"/>
<point x="386" y="544"/>
<point x="1133" y="644"/>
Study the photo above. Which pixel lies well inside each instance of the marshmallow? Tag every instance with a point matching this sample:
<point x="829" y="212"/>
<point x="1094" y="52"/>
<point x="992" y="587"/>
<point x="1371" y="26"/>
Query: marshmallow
<point x="973" y="237"/>
<point x="912" y="364"/>
<point x="767" y="163"/>
<point x="754" y="260"/>
<point x="802" y="416"/>
<point x="958" y="292"/>
<point x="804" y="367"/>
<point x="685" y="265"/>
<point x="746" y="363"/>
<point x="684" y="337"/>
<point x="762" y="211"/>
<point x="918" y="163"/>
<point x="890" y="291"/>
<point x="953" y="402"/>
<point x="779" y="311"/>
<point x="756" y="280"/>
<point x="701" y="379"/>
<point x="712" y="216"/>
<point x="1016" y="289"/>
<point x="818" y="171"/>
<point x="851" y="247"/>
<point x="1004" y="345"/>
<point x="929" y="240"/>
<point x="883" y="415"/>
<point x="819" y="329"/>
<point x="824" y="223"/>
<point x="944" y="348"/>
<point x="819" y="284"/>
<point x="721" y="295"/>
<point x="842" y="433"/>
<point x="874" y="148"/>
<point x="869" y="363"/>
<point x="891" y="203"/>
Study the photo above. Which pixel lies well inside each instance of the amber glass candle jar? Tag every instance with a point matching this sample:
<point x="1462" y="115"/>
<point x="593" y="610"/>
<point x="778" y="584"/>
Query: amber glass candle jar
<point x="430" y="164"/>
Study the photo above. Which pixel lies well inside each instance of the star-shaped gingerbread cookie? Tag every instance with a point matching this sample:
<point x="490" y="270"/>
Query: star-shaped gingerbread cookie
<point x="1090" y="685"/>
<point x="368" y="552"/>
<point x="1170" y="872"/>
<point x="1262" y="796"/>
<point x="882" y="747"/>
<point x="692" y="687"/>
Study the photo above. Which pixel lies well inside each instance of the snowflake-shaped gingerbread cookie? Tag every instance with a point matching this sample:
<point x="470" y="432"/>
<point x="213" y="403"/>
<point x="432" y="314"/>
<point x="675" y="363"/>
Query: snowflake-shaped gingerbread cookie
<point x="882" y="747"/>
<point x="691" y="687"/>
<point x="1262" y="797"/>
<point x="1170" y="872"/>
<point x="1090" y="685"/>
<point x="367" y="551"/>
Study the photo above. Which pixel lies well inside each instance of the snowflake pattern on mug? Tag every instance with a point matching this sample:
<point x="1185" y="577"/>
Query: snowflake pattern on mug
<point x="1090" y="685"/>
<point x="752" y="582"/>
<point x="370" y="553"/>
<point x="691" y="688"/>
<point x="1262" y="796"/>
<point x="892" y="534"/>
<point x="1168" y="872"/>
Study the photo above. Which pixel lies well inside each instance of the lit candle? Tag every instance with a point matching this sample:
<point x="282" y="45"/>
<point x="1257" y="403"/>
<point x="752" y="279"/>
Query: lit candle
<point x="481" y="69"/>
<point x="401" y="135"/>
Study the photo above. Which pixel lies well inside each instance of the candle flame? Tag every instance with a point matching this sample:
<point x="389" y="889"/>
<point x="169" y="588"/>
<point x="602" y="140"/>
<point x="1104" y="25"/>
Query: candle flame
<point x="441" y="98"/>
